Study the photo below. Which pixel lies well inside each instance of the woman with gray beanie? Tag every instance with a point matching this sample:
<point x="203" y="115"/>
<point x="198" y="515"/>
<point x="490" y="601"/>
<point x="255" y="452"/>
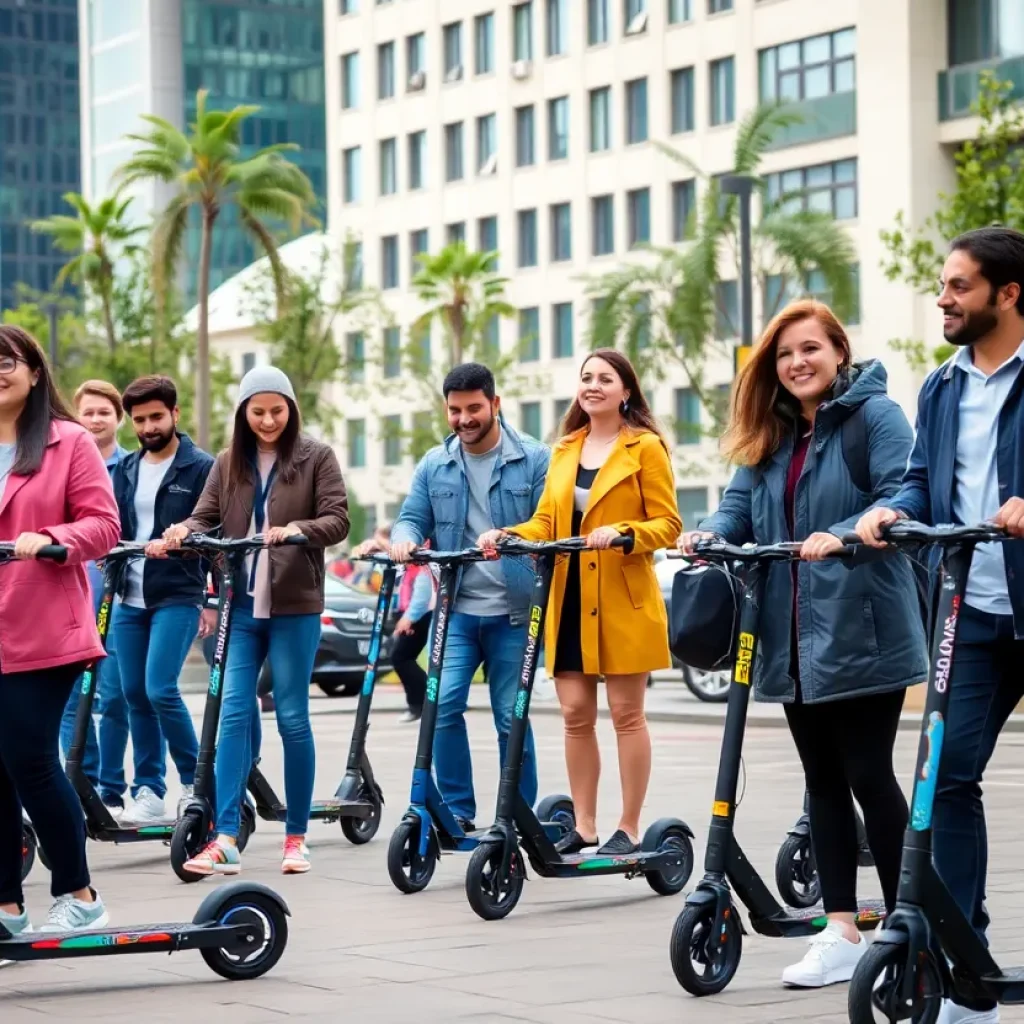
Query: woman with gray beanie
<point x="275" y="481"/>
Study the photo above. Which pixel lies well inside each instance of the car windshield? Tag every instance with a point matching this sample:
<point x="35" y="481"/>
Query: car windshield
<point x="333" y="587"/>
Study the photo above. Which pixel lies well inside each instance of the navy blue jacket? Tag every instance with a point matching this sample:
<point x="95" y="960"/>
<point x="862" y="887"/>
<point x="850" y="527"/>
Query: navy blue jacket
<point x="172" y="580"/>
<point x="858" y="627"/>
<point x="927" y="491"/>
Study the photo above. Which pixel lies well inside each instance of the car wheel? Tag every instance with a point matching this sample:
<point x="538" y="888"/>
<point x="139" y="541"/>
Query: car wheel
<point x="707" y="686"/>
<point x="341" y="686"/>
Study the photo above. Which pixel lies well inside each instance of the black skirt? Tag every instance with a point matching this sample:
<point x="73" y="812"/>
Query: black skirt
<point x="569" y="649"/>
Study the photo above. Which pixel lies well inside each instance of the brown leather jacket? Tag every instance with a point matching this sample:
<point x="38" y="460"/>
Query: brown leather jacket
<point x="315" y="501"/>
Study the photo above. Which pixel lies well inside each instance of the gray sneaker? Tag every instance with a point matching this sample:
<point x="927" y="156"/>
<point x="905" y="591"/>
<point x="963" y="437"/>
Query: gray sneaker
<point x="70" y="915"/>
<point x="187" y="793"/>
<point x="15" y="924"/>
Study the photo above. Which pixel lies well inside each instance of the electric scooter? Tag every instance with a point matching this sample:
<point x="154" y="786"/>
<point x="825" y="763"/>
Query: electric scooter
<point x="706" y="943"/>
<point x="496" y="872"/>
<point x="928" y="951"/>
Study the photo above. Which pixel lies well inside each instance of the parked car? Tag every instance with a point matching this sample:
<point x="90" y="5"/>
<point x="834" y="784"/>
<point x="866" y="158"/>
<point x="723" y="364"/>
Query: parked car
<point x="345" y="628"/>
<point x="706" y="686"/>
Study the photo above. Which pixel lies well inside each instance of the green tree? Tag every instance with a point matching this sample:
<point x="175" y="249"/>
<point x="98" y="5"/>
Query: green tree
<point x="989" y="190"/>
<point x="670" y="305"/>
<point x="210" y="173"/>
<point x="98" y="234"/>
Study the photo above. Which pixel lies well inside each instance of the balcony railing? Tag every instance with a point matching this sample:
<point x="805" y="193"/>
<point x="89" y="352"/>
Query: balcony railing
<point x="826" y="117"/>
<point x="959" y="86"/>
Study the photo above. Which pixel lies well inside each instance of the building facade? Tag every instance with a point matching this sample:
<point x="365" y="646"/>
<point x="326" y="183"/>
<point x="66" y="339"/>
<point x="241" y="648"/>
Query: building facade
<point x="39" y="135"/>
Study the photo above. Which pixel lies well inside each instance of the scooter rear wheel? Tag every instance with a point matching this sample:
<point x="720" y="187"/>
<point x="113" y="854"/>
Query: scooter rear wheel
<point x="692" y="945"/>
<point x="886" y="965"/>
<point x="796" y="872"/>
<point x="29" y="845"/>
<point x="269" y="924"/>
<point x="491" y="898"/>
<point x="361" y="830"/>
<point x="408" y="871"/>
<point x="669" y="837"/>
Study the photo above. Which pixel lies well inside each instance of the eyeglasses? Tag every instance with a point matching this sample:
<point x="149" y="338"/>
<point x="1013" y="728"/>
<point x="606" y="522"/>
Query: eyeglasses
<point x="8" y="364"/>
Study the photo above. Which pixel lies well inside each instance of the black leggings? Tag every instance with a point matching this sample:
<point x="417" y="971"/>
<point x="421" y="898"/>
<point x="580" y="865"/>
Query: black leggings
<point x="31" y="706"/>
<point x="847" y="745"/>
<point x="406" y="649"/>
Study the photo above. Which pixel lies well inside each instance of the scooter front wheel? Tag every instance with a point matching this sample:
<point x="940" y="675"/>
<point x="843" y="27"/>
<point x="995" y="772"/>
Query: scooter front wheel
<point x="878" y="981"/>
<point x="188" y="838"/>
<point x="796" y="872"/>
<point x="491" y="896"/>
<point x="704" y="963"/>
<point x="408" y="871"/>
<point x="29" y="845"/>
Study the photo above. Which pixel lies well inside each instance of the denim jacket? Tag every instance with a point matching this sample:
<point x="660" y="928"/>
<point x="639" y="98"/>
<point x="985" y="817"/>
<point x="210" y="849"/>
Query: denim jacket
<point x="438" y="503"/>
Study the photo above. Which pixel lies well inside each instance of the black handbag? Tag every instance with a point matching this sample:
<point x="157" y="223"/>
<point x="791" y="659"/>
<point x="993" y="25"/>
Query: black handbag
<point x="704" y="616"/>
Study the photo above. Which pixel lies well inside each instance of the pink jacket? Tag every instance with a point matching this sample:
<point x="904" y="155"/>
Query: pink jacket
<point x="46" y="613"/>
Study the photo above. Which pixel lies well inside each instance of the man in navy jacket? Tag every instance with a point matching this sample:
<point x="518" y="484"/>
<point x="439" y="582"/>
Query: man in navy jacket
<point x="967" y="466"/>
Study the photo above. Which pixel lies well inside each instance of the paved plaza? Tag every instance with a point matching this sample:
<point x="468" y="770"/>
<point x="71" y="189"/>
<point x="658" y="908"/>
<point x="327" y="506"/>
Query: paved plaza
<point x="573" y="952"/>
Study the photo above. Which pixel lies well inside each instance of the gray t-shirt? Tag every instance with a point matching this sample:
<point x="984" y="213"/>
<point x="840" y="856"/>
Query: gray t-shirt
<point x="6" y="462"/>
<point x="482" y="590"/>
<point x="151" y="476"/>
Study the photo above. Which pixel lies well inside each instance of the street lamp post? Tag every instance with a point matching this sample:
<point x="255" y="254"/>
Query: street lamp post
<point x="742" y="186"/>
<point x="53" y="336"/>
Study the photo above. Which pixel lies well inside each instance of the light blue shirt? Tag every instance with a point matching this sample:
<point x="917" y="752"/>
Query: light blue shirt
<point x="976" y="473"/>
<point x="7" y="453"/>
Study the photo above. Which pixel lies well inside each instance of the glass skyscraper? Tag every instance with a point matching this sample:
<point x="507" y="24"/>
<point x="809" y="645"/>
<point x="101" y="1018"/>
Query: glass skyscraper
<point x="40" y="156"/>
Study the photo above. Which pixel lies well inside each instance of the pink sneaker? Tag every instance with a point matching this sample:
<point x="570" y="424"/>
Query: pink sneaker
<point x="215" y="859"/>
<point x="296" y="856"/>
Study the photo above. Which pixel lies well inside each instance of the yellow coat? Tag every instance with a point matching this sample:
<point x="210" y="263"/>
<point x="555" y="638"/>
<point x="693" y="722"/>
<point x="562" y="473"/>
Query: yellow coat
<point x="624" y="628"/>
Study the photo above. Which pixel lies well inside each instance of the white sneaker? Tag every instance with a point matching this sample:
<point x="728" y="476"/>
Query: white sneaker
<point x="187" y="792"/>
<point x="830" y="958"/>
<point x="953" y="1014"/>
<point x="146" y="808"/>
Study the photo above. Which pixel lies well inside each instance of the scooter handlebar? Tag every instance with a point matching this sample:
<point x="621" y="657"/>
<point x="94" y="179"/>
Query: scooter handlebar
<point x="51" y="552"/>
<point x="785" y="551"/>
<point x="512" y="546"/>
<point x="907" y="531"/>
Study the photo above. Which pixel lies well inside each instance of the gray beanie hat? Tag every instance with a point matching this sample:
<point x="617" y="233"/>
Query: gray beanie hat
<point x="262" y="379"/>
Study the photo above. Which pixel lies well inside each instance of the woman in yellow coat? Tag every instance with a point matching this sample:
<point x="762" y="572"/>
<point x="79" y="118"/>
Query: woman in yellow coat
<point x="610" y="474"/>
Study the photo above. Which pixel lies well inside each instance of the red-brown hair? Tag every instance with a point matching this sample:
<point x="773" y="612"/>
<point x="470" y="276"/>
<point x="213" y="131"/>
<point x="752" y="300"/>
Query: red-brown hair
<point x="762" y="411"/>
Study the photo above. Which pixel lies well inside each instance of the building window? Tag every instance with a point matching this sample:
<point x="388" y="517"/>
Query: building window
<point x="356" y="438"/>
<point x="600" y="119"/>
<point x="638" y="210"/>
<point x="452" y="43"/>
<point x="558" y="128"/>
<point x="692" y="503"/>
<point x="632" y="13"/>
<point x="681" y="91"/>
<point x="487" y="234"/>
<point x="355" y="357"/>
<point x="350" y="81"/>
<point x="392" y="352"/>
<point x="348" y="7"/>
<point x="483" y="35"/>
<point x="603" y="225"/>
<point x="557" y="28"/>
<point x="723" y="91"/>
<point x="684" y="202"/>
<point x="453" y="164"/>
<point x="417" y="159"/>
<point x="560" y="408"/>
<point x="983" y="30"/>
<point x="561" y="330"/>
<point x="828" y="188"/>
<point x="522" y="32"/>
<point x="680" y="11"/>
<point x="530" y="419"/>
<point x="561" y="232"/>
<point x="391" y="431"/>
<point x="529" y="335"/>
<point x="455" y="232"/>
<point x="727" y="309"/>
<point x="385" y="71"/>
<point x="718" y="6"/>
<point x="687" y="425"/>
<point x="486" y="143"/>
<point x="597" y="22"/>
<point x="353" y="266"/>
<point x="419" y="244"/>
<point x="389" y="261"/>
<point x="809" y="68"/>
<point x="248" y="362"/>
<point x="388" y="167"/>
<point x="491" y="341"/>
<point x="636" y="111"/>
<point x="352" y="167"/>
<point x="525" y="154"/>
<point x="415" y="55"/>
<point x="780" y="290"/>
<point x="526" y="237"/>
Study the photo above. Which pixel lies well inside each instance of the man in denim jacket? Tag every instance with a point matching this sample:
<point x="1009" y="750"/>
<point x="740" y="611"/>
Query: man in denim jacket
<point x="484" y="476"/>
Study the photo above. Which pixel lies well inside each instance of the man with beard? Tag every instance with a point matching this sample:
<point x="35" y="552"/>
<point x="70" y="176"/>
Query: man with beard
<point x="155" y="622"/>
<point x="967" y="466"/>
<point x="484" y="476"/>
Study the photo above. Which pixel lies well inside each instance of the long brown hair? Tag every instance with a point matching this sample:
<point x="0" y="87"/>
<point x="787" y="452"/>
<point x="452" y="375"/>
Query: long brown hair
<point x="638" y="415"/>
<point x="762" y="411"/>
<point x="242" y="455"/>
<point x="43" y="405"/>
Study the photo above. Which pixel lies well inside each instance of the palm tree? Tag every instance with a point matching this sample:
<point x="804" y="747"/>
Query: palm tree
<point x="672" y="303"/>
<point x="210" y="173"/>
<point x="464" y="293"/>
<point x="97" y="236"/>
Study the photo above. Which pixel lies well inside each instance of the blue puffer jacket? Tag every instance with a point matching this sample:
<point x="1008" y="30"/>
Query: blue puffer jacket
<point x="859" y="627"/>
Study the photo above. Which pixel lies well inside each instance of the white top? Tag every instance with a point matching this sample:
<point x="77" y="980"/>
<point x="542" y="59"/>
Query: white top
<point x="151" y="476"/>
<point x="7" y="452"/>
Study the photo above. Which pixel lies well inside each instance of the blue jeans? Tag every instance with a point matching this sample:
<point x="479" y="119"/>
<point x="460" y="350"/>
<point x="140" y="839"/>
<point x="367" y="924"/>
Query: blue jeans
<point x="151" y="645"/>
<point x="473" y="640"/>
<point x="289" y="642"/>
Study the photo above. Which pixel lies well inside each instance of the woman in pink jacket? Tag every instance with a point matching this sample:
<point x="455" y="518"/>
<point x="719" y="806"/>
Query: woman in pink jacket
<point x="54" y="489"/>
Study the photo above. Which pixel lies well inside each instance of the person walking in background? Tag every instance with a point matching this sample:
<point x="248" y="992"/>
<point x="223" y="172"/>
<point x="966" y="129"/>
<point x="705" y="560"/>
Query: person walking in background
<point x="161" y="606"/>
<point x="484" y="475"/>
<point x="99" y="409"/>
<point x="277" y="482"/>
<point x="610" y="476"/>
<point x="844" y="640"/>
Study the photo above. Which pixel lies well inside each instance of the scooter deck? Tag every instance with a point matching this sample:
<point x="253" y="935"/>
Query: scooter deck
<point x="790" y="923"/>
<point x="1009" y="983"/>
<point x="135" y="833"/>
<point x="331" y="810"/>
<point x="150" y="938"/>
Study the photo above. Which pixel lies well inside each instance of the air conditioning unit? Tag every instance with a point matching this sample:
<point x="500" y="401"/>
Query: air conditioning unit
<point x="489" y="166"/>
<point x="637" y="25"/>
<point x="521" y="69"/>
<point x="454" y="74"/>
<point x="417" y="80"/>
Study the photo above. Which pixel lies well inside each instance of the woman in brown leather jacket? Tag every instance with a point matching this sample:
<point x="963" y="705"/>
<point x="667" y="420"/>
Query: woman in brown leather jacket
<point x="275" y="481"/>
